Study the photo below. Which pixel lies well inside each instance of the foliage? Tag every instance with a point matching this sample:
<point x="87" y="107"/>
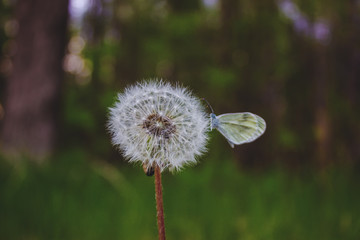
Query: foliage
<point x="74" y="198"/>
<point x="241" y="56"/>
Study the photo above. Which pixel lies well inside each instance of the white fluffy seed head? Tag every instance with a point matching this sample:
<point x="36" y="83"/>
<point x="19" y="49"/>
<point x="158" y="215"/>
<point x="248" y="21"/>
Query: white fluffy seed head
<point x="155" y="122"/>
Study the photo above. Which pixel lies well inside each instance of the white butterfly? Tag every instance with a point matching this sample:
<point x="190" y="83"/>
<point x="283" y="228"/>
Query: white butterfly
<point x="238" y="128"/>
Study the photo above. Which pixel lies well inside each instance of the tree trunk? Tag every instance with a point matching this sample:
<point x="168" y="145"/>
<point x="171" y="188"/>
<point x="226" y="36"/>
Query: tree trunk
<point x="228" y="14"/>
<point x="33" y="88"/>
<point x="322" y="115"/>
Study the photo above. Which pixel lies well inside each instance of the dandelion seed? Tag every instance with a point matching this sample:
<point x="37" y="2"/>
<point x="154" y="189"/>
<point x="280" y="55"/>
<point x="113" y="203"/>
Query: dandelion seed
<point x="155" y="122"/>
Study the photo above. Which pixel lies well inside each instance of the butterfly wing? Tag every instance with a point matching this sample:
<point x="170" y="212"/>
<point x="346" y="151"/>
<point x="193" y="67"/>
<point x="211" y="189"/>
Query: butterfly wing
<point x="239" y="128"/>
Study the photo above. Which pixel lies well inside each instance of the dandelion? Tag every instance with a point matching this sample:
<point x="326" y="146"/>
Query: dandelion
<point x="160" y="126"/>
<point x="155" y="123"/>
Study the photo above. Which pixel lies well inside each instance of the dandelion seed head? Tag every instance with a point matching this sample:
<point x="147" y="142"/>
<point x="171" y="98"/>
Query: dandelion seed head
<point x="155" y="122"/>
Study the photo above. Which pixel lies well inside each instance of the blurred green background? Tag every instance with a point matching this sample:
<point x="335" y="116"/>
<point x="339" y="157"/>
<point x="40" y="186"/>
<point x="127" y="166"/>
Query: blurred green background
<point x="294" y="63"/>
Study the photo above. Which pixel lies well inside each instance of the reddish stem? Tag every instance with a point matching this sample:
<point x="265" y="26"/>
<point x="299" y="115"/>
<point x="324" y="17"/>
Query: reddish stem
<point x="159" y="204"/>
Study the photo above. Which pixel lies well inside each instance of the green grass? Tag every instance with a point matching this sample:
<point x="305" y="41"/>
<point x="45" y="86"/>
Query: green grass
<point x="73" y="198"/>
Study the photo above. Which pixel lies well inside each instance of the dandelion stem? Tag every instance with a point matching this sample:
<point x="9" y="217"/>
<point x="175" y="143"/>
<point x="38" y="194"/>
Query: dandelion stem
<point x="159" y="203"/>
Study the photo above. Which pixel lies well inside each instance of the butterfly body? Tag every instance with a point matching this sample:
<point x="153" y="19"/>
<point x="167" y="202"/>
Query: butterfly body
<point x="214" y="121"/>
<point x="238" y="128"/>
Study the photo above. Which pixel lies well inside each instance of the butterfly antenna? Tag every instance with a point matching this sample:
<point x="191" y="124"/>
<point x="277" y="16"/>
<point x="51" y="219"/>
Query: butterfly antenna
<point x="212" y="110"/>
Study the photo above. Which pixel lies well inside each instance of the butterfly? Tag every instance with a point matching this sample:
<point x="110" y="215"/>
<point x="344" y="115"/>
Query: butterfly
<point x="238" y="128"/>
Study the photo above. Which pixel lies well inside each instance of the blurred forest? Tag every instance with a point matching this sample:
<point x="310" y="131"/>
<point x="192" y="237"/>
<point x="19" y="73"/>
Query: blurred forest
<point x="294" y="63"/>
